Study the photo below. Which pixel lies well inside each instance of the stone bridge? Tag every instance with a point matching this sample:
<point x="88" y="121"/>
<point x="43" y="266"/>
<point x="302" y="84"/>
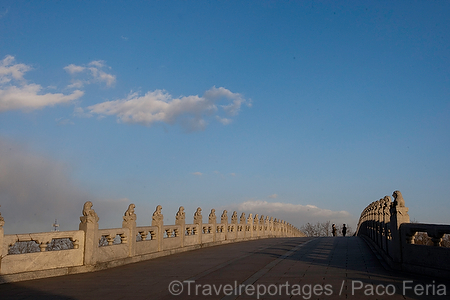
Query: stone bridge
<point x="249" y="258"/>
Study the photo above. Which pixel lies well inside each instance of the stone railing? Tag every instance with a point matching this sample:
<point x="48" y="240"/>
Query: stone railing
<point x="93" y="249"/>
<point x="387" y="226"/>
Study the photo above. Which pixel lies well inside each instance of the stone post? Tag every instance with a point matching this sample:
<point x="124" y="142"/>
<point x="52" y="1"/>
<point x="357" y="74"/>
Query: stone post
<point x="378" y="222"/>
<point x="2" y="222"/>
<point x="242" y="224"/>
<point x="180" y="219"/>
<point x="234" y="220"/>
<point x="158" y="220"/>
<point x="386" y="218"/>
<point x="370" y="223"/>
<point x="399" y="215"/>
<point x="249" y="226"/>
<point x="212" y="220"/>
<point x="272" y="232"/>
<point x="224" y="217"/>
<point x="261" y="226"/>
<point x="198" y="219"/>
<point x="89" y="224"/>
<point x="256" y="231"/>
<point x="129" y="221"/>
<point x="224" y="222"/>
<point x="276" y="228"/>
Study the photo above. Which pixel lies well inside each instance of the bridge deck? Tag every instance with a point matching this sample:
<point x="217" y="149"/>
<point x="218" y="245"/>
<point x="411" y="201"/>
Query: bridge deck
<point x="320" y="268"/>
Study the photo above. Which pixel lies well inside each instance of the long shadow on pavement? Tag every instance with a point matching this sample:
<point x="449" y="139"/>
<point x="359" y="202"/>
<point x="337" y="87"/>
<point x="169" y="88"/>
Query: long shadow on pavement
<point x="329" y="260"/>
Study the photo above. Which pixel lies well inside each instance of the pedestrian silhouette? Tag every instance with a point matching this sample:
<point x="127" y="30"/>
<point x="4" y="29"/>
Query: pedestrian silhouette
<point x="333" y="229"/>
<point x="344" y="230"/>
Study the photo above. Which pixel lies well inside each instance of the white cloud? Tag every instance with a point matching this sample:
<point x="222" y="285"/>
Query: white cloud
<point x="9" y="70"/>
<point x="105" y="77"/>
<point x="233" y="174"/>
<point x="72" y="69"/>
<point x="97" y="63"/>
<point x="27" y="98"/>
<point x="197" y="173"/>
<point x="273" y="196"/>
<point x="79" y="112"/>
<point x="76" y="84"/>
<point x="16" y="94"/>
<point x="224" y="121"/>
<point x="296" y="214"/>
<point x="159" y="106"/>
<point x="93" y="73"/>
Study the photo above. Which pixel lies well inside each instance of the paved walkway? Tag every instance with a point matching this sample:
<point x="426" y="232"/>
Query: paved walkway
<point x="285" y="268"/>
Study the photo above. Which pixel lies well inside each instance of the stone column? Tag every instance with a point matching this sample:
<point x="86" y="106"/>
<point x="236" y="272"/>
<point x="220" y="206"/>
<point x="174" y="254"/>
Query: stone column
<point x="250" y="226"/>
<point x="198" y="219"/>
<point x="261" y="226"/>
<point x="158" y="220"/>
<point x="399" y="215"/>
<point x="180" y="219"/>
<point x="129" y="221"/>
<point x="378" y="222"/>
<point x="2" y="222"/>
<point x="243" y="225"/>
<point x="256" y="226"/>
<point x="234" y="220"/>
<point x="224" y="217"/>
<point x="386" y="219"/>
<point x="224" y="222"/>
<point x="212" y="220"/>
<point x="89" y="224"/>
<point x="272" y="232"/>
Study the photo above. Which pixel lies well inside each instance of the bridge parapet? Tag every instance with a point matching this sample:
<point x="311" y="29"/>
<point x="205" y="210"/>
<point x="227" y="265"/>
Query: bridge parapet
<point x="386" y="224"/>
<point x="94" y="249"/>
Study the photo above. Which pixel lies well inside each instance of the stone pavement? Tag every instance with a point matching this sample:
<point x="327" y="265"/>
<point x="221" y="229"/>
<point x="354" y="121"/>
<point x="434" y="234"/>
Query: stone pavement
<point x="283" y="268"/>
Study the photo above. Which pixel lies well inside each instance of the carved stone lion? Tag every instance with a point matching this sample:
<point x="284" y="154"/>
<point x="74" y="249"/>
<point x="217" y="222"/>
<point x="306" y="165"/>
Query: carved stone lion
<point x="198" y="219"/>
<point x="250" y="218"/>
<point x="157" y="215"/>
<point x="180" y="214"/>
<point x="256" y="218"/>
<point x="224" y="217"/>
<point x="87" y="209"/>
<point x="198" y="212"/>
<point x="158" y="211"/>
<point x="2" y="221"/>
<point x="89" y="215"/>
<point x="130" y="211"/>
<point x="234" y="217"/>
<point x="212" y="216"/>
<point x="398" y="199"/>
<point x="242" y="218"/>
<point x="180" y="217"/>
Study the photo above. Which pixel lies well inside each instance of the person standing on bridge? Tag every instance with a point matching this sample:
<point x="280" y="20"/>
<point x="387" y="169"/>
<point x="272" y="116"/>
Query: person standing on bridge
<point x="333" y="229"/>
<point x="344" y="230"/>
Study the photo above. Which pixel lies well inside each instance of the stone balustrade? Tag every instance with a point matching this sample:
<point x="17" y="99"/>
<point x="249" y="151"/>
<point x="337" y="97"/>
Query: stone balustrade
<point x="386" y="225"/>
<point x="95" y="249"/>
<point x="31" y="262"/>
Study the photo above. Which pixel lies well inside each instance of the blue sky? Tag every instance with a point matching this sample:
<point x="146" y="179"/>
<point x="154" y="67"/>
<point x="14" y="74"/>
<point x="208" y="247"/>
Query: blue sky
<point x="303" y="110"/>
